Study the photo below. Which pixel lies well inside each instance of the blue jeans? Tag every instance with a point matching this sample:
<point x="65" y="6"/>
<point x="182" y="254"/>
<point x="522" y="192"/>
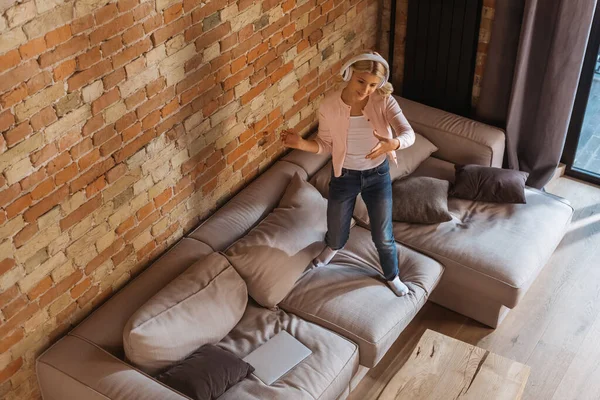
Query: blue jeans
<point x="375" y="185"/>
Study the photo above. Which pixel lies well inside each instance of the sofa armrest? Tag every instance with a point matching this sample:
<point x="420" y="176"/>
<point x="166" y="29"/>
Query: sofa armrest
<point x="460" y="140"/>
<point x="74" y="368"/>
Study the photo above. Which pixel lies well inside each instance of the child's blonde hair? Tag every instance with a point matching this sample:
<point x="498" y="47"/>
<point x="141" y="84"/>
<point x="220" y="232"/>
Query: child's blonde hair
<point x="374" y="68"/>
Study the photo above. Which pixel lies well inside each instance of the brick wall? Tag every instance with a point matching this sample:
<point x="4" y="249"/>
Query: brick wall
<point x="485" y="31"/>
<point x="124" y="123"/>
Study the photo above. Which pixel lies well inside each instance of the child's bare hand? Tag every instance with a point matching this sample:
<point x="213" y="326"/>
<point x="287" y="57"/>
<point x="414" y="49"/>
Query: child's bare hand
<point x="291" y="139"/>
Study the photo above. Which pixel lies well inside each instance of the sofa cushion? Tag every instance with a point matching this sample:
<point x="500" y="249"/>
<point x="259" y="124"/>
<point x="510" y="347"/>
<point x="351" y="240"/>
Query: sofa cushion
<point x="349" y="296"/>
<point x="323" y="375"/>
<point x="497" y="185"/>
<point x="274" y="254"/>
<point x="247" y="208"/>
<point x="421" y="200"/>
<point x="198" y="307"/>
<point x="206" y="373"/>
<point x="495" y="249"/>
<point x="104" y="327"/>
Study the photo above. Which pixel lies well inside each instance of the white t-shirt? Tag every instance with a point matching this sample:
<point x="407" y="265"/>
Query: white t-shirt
<point x="361" y="141"/>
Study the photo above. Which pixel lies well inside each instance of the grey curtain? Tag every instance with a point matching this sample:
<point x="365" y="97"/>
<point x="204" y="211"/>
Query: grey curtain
<point x="553" y="35"/>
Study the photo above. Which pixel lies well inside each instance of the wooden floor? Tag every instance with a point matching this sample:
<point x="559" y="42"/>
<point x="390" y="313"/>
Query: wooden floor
<point x="555" y="329"/>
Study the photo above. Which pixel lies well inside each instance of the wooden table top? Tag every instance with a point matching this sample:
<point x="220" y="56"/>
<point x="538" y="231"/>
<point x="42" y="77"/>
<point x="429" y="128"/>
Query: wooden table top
<point x="441" y="367"/>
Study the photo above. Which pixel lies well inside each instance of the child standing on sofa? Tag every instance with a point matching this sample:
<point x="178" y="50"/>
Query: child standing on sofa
<point x="355" y="126"/>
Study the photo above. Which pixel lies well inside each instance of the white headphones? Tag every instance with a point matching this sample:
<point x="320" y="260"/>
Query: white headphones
<point x="346" y="71"/>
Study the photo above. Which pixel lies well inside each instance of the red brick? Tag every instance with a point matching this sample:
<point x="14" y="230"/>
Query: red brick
<point x="210" y="37"/>
<point x="112" y="46"/>
<point x="133" y="34"/>
<point x="143" y="11"/>
<point x="39" y="82"/>
<point x="288" y="5"/>
<point x="9" y="341"/>
<point x="151" y="120"/>
<point x="92" y="174"/>
<point x="88" y="59"/>
<point x="174" y="119"/>
<point x="151" y="24"/>
<point x="58" y="163"/>
<point x="146" y="250"/>
<point x="58" y="36"/>
<point x="43" y="189"/>
<point x="88" y="296"/>
<point x="13" y="97"/>
<point x="111" y="29"/>
<point x="126" y="5"/>
<point x="116" y="172"/>
<point x="46" y="204"/>
<point x="23" y="236"/>
<point x="172" y="29"/>
<point x="229" y="42"/>
<point x="9" y="60"/>
<point x="111" y="146"/>
<point x="155" y="87"/>
<point x="162" y="238"/>
<point x="135" y="99"/>
<point x="106" y="13"/>
<point x="125" y="226"/>
<point x="11" y="369"/>
<point x="82" y="212"/>
<point x="32" y="180"/>
<point x="237" y="78"/>
<point x="66" y="313"/>
<point x="105" y="100"/>
<point x="39" y="289"/>
<point x="172" y="13"/>
<point x="18" y="319"/>
<point x="88" y="160"/>
<point x="103" y="135"/>
<point x="170" y="108"/>
<point x="104" y="255"/>
<point x="80" y="288"/>
<point x="199" y="75"/>
<point x="43" y="118"/>
<point x="5" y="266"/>
<point x="66" y="174"/>
<point x="18" y="75"/>
<point x="93" y="124"/>
<point x="95" y="187"/>
<point x="145" y="211"/>
<point x="17" y="134"/>
<point x="83" y="78"/>
<point x="63" y="51"/>
<point x="33" y="48"/>
<point x="132" y="132"/>
<point x="255" y="91"/>
<point x="8" y="295"/>
<point x="81" y="148"/>
<point x="7" y="119"/>
<point x="162" y="198"/>
<point x="82" y="24"/>
<point x="184" y="194"/>
<point x="40" y="157"/>
<point x="114" y="78"/>
<point x="131" y="53"/>
<point x="18" y="206"/>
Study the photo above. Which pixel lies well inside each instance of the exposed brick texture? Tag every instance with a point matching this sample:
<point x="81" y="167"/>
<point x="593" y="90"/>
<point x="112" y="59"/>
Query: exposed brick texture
<point x="113" y="125"/>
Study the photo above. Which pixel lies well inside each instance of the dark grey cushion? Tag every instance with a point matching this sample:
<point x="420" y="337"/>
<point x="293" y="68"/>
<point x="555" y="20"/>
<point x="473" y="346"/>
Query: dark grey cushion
<point x="421" y="200"/>
<point x="496" y="185"/>
<point x="207" y="373"/>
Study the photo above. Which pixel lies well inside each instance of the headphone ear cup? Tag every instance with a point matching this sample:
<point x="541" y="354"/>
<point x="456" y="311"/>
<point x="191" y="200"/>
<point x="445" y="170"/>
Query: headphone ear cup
<point x="348" y="74"/>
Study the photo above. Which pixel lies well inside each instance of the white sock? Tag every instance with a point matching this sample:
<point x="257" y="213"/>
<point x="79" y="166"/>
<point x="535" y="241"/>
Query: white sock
<point x="325" y="256"/>
<point x="399" y="288"/>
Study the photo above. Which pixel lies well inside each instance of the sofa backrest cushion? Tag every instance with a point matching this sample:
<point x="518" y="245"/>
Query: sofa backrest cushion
<point x="198" y="307"/>
<point x="247" y="208"/>
<point x="460" y="140"/>
<point x="273" y="255"/>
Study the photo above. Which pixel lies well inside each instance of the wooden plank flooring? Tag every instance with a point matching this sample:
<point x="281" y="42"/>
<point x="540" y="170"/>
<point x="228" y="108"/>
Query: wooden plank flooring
<point x="555" y="329"/>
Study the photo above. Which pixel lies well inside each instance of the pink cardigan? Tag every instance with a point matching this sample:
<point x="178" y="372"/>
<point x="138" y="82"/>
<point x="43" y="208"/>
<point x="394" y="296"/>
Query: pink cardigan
<point x="383" y="112"/>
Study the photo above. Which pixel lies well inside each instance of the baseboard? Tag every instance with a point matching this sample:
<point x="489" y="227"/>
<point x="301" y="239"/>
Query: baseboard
<point x="558" y="172"/>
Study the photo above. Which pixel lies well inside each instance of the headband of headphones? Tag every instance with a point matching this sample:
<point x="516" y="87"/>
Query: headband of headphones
<point x="346" y="71"/>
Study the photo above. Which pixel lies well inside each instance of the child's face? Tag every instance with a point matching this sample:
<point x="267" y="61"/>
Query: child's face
<point x="362" y="84"/>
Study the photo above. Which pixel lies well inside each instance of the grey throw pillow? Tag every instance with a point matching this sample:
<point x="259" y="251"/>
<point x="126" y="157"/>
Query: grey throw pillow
<point x="207" y="373"/>
<point x="421" y="200"/>
<point x="496" y="185"/>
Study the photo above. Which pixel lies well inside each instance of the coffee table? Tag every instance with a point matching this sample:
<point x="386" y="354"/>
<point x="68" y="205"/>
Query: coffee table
<point x="441" y="367"/>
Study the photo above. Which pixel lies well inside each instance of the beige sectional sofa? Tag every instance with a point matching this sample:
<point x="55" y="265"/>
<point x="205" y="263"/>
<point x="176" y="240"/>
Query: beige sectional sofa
<point x="480" y="264"/>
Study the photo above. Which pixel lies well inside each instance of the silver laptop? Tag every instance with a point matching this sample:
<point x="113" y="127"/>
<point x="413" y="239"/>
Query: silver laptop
<point x="277" y="356"/>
